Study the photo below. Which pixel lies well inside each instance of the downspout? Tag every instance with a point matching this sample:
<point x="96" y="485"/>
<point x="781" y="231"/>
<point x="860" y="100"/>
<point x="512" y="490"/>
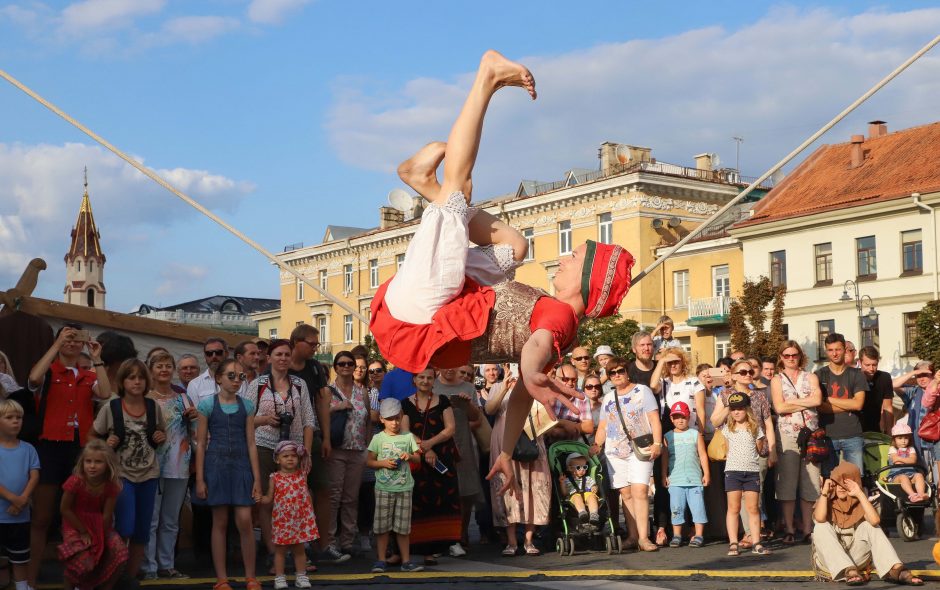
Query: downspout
<point x="933" y="241"/>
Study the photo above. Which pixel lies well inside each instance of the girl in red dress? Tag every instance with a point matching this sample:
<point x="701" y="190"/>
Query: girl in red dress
<point x="92" y="551"/>
<point x="292" y="519"/>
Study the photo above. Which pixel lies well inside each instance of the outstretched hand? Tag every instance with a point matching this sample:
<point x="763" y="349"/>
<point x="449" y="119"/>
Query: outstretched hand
<point x="503" y="466"/>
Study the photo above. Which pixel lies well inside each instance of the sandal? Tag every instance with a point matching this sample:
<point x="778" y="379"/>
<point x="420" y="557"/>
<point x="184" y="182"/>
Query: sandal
<point x="675" y="541"/>
<point x="629" y="544"/>
<point x="902" y="576"/>
<point x="807" y="538"/>
<point x="252" y="584"/>
<point x="746" y="542"/>
<point x="733" y="550"/>
<point x="510" y="550"/>
<point x="532" y="550"/>
<point x="221" y="585"/>
<point x="759" y="549"/>
<point x="697" y="541"/>
<point x="853" y="578"/>
<point x="788" y="539"/>
<point x="648" y="547"/>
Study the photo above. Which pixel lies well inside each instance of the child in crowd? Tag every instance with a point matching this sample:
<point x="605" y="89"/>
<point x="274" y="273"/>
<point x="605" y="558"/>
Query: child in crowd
<point x="662" y="335"/>
<point x="92" y="551"/>
<point x="292" y="520"/>
<point x="390" y="453"/>
<point x="133" y="426"/>
<point x="19" y="476"/>
<point x="685" y="473"/>
<point x="580" y="488"/>
<point x="902" y="452"/>
<point x="227" y="469"/>
<point x="742" y="470"/>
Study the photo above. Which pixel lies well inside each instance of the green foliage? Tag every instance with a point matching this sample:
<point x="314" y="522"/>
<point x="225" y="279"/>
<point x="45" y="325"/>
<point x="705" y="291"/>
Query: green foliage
<point x="927" y="340"/>
<point x="374" y="353"/>
<point x="616" y="332"/>
<point x="748" y="318"/>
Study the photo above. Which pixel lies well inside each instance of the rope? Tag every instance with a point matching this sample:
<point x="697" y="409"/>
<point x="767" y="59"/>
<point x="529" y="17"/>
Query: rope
<point x="695" y="232"/>
<point x="186" y="198"/>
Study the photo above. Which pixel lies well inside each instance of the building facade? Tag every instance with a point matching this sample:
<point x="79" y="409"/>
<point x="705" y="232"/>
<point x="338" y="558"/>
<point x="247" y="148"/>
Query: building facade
<point x="84" y="262"/>
<point x="231" y="314"/>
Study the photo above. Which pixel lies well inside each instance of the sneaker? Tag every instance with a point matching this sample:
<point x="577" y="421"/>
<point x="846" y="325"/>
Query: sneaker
<point x="302" y="581"/>
<point x="172" y="574"/>
<point x="150" y="576"/>
<point x="334" y="555"/>
<point x="456" y="550"/>
<point x="364" y="544"/>
<point x="594" y="518"/>
<point x="378" y="567"/>
<point x="280" y="583"/>
<point x="410" y="566"/>
<point x="583" y="517"/>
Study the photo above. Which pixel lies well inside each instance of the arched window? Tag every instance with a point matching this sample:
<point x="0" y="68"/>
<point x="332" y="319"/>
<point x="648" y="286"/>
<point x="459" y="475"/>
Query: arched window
<point x="230" y="307"/>
<point x="91" y="297"/>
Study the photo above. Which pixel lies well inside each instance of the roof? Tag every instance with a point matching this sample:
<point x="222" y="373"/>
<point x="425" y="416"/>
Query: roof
<point x="85" y="236"/>
<point x="341" y="232"/>
<point x="895" y="165"/>
<point x="244" y="305"/>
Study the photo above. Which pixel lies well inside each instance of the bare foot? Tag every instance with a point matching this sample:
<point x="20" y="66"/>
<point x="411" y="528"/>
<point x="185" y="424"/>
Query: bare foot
<point x="503" y="72"/>
<point x="420" y="170"/>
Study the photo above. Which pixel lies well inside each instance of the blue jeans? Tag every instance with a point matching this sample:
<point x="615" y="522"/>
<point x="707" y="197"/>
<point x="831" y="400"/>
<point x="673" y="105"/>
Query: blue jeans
<point x="691" y="496"/>
<point x="164" y="527"/>
<point x="851" y="449"/>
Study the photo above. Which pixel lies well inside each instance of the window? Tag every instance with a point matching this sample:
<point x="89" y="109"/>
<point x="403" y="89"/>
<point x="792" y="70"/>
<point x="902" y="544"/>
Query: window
<point x="910" y="332"/>
<point x="348" y="328"/>
<point x="78" y="265"/>
<point x="323" y="279"/>
<point x="778" y="268"/>
<point x="605" y="229"/>
<point x="374" y="273"/>
<point x="91" y="265"/>
<point x="680" y="288"/>
<point x="347" y="278"/>
<point x="399" y="260"/>
<point x="300" y="323"/>
<point x="722" y="345"/>
<point x="721" y="281"/>
<point x="823" y="264"/>
<point x="912" y="252"/>
<point x="529" y="235"/>
<point x="300" y="290"/>
<point x="91" y="297"/>
<point x="564" y="238"/>
<point x="321" y="326"/>
<point x="272" y="334"/>
<point x="866" y="257"/>
<point x="823" y="329"/>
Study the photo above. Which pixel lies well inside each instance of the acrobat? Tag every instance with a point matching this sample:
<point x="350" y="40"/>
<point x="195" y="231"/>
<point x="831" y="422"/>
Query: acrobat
<point x="450" y="304"/>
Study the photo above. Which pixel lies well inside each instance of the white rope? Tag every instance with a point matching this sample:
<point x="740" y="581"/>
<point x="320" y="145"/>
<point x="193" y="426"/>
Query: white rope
<point x="789" y="157"/>
<point x="186" y="198"/>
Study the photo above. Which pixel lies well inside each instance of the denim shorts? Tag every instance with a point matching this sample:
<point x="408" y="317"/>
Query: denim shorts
<point x="742" y="481"/>
<point x="692" y="497"/>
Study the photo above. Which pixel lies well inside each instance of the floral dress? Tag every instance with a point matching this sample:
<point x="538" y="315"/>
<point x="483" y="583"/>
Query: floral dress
<point x="292" y="517"/>
<point x="89" y="566"/>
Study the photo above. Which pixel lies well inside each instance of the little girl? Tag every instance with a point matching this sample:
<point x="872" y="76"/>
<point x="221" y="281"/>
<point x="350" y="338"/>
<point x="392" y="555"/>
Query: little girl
<point x="580" y="488"/>
<point x="292" y="520"/>
<point x="227" y="469"/>
<point x="686" y="474"/>
<point x="92" y="551"/>
<point x="903" y="453"/>
<point x="742" y="471"/>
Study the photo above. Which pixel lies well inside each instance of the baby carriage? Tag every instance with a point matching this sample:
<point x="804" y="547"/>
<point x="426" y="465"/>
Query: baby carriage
<point x="891" y="499"/>
<point x="572" y="529"/>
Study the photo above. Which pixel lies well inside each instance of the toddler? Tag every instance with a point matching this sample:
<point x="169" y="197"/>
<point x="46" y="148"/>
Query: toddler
<point x="903" y="453"/>
<point x="19" y="476"/>
<point x="580" y="488"/>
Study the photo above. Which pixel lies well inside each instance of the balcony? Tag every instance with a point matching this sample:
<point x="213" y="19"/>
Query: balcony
<point x="709" y="311"/>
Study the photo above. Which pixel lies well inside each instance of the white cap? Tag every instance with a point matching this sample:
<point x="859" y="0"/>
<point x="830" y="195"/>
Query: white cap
<point x="389" y="408"/>
<point x="603" y="349"/>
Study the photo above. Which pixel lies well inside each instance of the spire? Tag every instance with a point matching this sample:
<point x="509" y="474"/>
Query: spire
<point x="85" y="236"/>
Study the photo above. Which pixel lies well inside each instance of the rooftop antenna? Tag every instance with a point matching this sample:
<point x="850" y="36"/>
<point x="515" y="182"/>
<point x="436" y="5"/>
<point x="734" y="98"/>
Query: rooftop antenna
<point x="737" y="153"/>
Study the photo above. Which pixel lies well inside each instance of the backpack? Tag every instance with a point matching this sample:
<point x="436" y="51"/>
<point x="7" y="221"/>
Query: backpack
<point x="264" y="383"/>
<point x="117" y="417"/>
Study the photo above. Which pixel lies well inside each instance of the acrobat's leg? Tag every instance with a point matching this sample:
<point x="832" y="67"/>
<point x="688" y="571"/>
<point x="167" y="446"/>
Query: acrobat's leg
<point x="464" y="141"/>
<point x="420" y="170"/>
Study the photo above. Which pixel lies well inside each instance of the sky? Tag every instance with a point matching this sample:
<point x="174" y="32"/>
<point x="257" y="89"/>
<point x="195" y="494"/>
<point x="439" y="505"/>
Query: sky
<point x="284" y="116"/>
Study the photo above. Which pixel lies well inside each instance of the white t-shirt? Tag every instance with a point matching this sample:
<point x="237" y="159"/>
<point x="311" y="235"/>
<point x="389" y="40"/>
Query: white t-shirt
<point x="684" y="391"/>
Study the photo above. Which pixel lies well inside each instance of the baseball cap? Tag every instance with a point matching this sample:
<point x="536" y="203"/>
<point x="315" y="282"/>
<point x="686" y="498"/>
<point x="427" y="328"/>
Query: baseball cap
<point x="389" y="407"/>
<point x="572" y="457"/>
<point x="603" y="349"/>
<point x="681" y="409"/>
<point x="738" y="400"/>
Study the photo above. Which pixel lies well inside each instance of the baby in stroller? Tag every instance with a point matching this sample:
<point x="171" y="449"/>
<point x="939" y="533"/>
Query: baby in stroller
<point x="580" y="488"/>
<point x="903" y="454"/>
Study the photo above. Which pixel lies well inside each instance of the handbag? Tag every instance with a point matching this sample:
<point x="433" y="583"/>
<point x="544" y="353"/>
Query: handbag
<point x="718" y="447"/>
<point x="526" y="449"/>
<point x="640" y="443"/>
<point x="929" y="429"/>
<point x="813" y="444"/>
<point x="338" y="421"/>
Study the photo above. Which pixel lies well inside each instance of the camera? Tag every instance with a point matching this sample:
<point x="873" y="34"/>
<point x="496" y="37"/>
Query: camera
<point x="286" y="420"/>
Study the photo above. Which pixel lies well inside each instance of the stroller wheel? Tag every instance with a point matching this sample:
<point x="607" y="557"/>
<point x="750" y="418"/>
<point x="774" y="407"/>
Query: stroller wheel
<point x="560" y="546"/>
<point x="571" y="546"/>
<point x="908" y="527"/>
<point x="609" y="544"/>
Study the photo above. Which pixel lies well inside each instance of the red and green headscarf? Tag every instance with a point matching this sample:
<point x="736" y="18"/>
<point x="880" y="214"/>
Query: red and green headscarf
<point x="605" y="278"/>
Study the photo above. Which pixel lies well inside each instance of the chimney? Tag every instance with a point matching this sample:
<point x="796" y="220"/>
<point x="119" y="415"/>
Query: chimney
<point x="877" y="129"/>
<point x="857" y="153"/>
<point x="612" y="154"/>
<point x="390" y="217"/>
<point x="703" y="162"/>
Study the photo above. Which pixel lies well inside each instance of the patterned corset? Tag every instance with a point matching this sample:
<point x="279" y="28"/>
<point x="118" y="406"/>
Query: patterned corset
<point x="507" y="329"/>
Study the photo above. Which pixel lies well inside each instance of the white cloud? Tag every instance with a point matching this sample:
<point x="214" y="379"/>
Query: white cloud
<point x="42" y="190"/>
<point x="176" y="277"/>
<point x="772" y="82"/>
<point x="273" y="12"/>
<point x="196" y="29"/>
<point x="92" y="15"/>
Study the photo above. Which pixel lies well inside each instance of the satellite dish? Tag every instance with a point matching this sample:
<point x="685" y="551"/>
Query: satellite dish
<point x="400" y="199"/>
<point x="716" y="161"/>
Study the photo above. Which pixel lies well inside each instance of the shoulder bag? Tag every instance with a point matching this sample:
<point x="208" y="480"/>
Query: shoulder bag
<point x="929" y="429"/>
<point x="641" y="443"/>
<point x="718" y="446"/>
<point x="813" y="444"/>
<point x="526" y="449"/>
<point x="338" y="421"/>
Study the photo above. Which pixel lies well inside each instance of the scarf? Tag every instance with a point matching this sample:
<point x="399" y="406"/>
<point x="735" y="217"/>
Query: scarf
<point x="847" y="513"/>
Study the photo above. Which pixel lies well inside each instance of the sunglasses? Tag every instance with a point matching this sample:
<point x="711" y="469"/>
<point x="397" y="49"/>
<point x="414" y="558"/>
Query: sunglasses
<point x="345" y="364"/>
<point x="592" y="387"/>
<point x="581" y="358"/>
<point x="580" y="467"/>
<point x="233" y="376"/>
<point x="743" y="372"/>
<point x="620" y="371"/>
<point x="214" y="352"/>
<point x="789" y="355"/>
<point x="376" y="371"/>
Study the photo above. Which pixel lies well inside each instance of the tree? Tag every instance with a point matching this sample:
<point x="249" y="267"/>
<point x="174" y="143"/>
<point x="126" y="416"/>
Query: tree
<point x="927" y="339"/>
<point x="374" y="353"/>
<point x="615" y="331"/>
<point x="748" y="318"/>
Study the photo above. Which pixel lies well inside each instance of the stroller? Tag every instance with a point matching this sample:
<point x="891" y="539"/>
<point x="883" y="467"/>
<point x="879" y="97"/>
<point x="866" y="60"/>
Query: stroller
<point x="888" y="497"/>
<point x="571" y="527"/>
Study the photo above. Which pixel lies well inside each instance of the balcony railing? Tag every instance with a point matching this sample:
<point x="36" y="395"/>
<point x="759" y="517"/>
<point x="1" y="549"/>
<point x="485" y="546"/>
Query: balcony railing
<point x="707" y="311"/>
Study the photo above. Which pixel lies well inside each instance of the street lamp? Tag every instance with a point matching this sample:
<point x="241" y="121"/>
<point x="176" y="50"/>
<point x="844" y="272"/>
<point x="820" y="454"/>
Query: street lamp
<point x="859" y="303"/>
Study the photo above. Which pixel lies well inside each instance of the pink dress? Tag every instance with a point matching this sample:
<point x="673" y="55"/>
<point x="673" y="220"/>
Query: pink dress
<point x="89" y="566"/>
<point x="292" y="517"/>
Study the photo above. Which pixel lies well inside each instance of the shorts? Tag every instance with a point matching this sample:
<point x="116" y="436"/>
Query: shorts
<point x="624" y="472"/>
<point x="318" y="479"/>
<point x="586" y="496"/>
<point x="692" y="497"/>
<point x="14" y="542"/>
<point x="392" y="512"/>
<point x="742" y="481"/>
<point x="57" y="459"/>
<point x="909" y="472"/>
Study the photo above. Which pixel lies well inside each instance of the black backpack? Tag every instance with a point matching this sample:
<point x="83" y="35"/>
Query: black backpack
<point x="117" y="417"/>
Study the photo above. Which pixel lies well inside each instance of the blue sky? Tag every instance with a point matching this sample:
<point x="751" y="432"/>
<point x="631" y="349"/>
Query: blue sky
<point x="284" y="116"/>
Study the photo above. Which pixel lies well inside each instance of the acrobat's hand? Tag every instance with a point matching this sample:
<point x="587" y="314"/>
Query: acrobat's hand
<point x="502" y="467"/>
<point x="547" y="391"/>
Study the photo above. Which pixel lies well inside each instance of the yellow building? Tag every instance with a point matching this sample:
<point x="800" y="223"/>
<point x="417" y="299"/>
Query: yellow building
<point x="632" y="200"/>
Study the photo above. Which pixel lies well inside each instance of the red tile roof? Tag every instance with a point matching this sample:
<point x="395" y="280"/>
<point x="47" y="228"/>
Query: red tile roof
<point x="896" y="165"/>
<point x="85" y="236"/>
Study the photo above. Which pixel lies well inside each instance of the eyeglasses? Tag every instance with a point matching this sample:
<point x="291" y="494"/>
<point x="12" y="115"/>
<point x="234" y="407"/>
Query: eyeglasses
<point x="790" y="355"/>
<point x="345" y="364"/>
<point x="581" y="358"/>
<point x="744" y="372"/>
<point x="218" y="352"/>
<point x="233" y="376"/>
<point x="919" y="375"/>
<point x="849" y="350"/>
<point x="620" y="371"/>
<point x="314" y="344"/>
<point x="580" y="467"/>
<point x="376" y="371"/>
<point x="592" y="387"/>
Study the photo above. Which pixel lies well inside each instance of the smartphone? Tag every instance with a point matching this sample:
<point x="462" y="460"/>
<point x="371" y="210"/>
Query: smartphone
<point x="440" y="467"/>
<point x="716" y="372"/>
<point x="82" y="335"/>
<point x="514" y="370"/>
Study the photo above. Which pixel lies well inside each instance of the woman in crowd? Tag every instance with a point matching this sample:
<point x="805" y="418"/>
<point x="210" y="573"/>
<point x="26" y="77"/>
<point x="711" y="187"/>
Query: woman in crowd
<point x="629" y="412"/>
<point x="796" y="395"/>
<point x="846" y="536"/>
<point x="435" y="523"/>
<point x="716" y="501"/>
<point x="912" y="388"/>
<point x="674" y="381"/>
<point x="348" y="459"/>
<point x="361" y="373"/>
<point x="174" y="456"/>
<point x="283" y="412"/>
<point x="531" y="503"/>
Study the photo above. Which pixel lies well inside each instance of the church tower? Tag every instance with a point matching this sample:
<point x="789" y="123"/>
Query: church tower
<point x="84" y="263"/>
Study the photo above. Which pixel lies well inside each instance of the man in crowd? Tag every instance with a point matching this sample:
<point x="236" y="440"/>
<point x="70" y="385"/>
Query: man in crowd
<point x="263" y="359"/>
<point x="736" y="356"/>
<point x="187" y="368"/>
<point x="215" y="351"/>
<point x="768" y="368"/>
<point x="570" y="426"/>
<point x="851" y="355"/>
<point x="248" y="356"/>
<point x="840" y="413"/>
<point x="581" y="361"/>
<point x="877" y="411"/>
<point x="641" y="368"/>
